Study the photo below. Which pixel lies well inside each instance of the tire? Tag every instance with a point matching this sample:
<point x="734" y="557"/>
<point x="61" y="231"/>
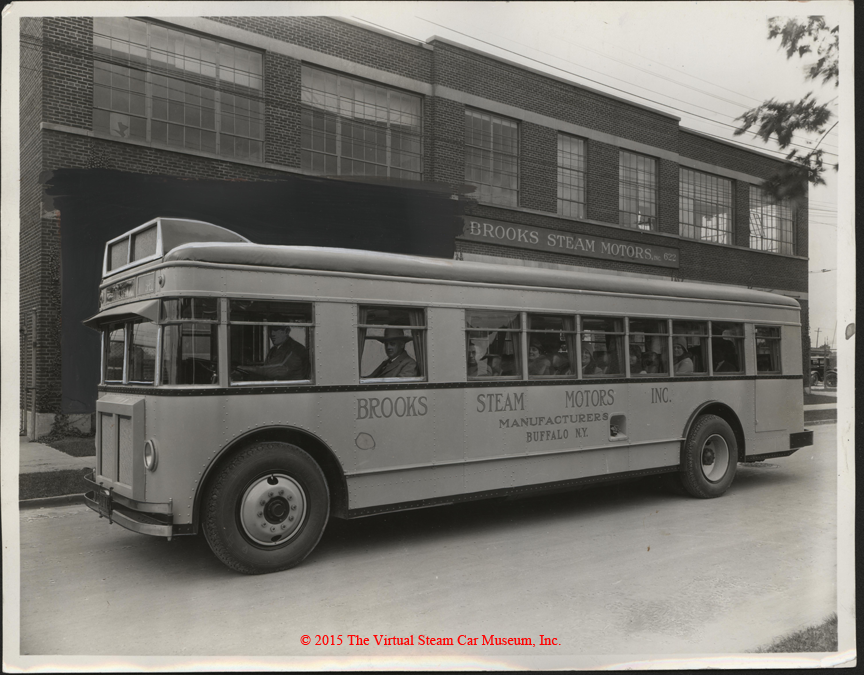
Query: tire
<point x="266" y="508"/>
<point x="709" y="458"/>
<point x="831" y="380"/>
<point x="814" y="378"/>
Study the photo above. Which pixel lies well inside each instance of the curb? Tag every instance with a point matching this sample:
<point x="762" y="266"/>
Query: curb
<point x="59" y="500"/>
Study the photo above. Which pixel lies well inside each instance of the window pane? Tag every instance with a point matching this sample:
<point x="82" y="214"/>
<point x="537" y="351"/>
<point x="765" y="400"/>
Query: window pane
<point x="767" y="349"/>
<point x="268" y="345"/>
<point x="727" y="347"/>
<point x="551" y="345"/>
<point x="495" y="349"/>
<point x="637" y="191"/>
<point x="142" y="352"/>
<point x="364" y="119"/>
<point x="689" y="347"/>
<point x="190" y="353"/>
<point x="648" y="347"/>
<point x="114" y="354"/>
<point x="602" y="346"/>
<point x="491" y="157"/>
<point x="705" y="207"/>
<point x="201" y="309"/>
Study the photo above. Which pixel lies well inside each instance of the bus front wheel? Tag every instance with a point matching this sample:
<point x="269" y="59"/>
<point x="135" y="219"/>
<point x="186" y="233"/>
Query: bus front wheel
<point x="266" y="508"/>
<point x="709" y="459"/>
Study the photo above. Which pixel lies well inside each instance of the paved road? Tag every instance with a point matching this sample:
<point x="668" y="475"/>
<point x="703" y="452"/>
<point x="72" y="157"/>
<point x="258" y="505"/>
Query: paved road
<point x="615" y="570"/>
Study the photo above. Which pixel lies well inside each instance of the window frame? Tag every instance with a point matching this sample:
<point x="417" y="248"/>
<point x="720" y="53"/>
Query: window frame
<point x="653" y="220"/>
<point x="340" y="120"/>
<point x="761" y="208"/>
<point x="583" y="172"/>
<point x="710" y="184"/>
<point x="308" y="326"/>
<point x="772" y="339"/>
<point x="220" y="86"/>
<point x="424" y="327"/>
<point x="493" y="156"/>
<point x="520" y="354"/>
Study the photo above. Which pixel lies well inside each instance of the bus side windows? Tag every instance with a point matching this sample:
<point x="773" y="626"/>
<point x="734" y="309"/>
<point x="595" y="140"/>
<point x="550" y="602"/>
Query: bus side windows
<point x="602" y="346"/>
<point x="551" y="346"/>
<point x="690" y="347"/>
<point x="727" y="347"/>
<point x="270" y="341"/>
<point x="493" y="344"/>
<point x="190" y="342"/>
<point x="391" y="342"/>
<point x="648" y="346"/>
<point x="768" y="349"/>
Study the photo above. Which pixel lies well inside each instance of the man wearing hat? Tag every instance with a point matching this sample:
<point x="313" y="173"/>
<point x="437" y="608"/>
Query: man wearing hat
<point x="397" y="363"/>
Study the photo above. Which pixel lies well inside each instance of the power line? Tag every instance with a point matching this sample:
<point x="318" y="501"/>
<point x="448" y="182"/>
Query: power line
<point x="608" y="86"/>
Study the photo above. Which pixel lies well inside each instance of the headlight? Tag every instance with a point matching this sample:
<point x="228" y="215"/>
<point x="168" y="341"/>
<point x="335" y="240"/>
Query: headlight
<point x="150" y="458"/>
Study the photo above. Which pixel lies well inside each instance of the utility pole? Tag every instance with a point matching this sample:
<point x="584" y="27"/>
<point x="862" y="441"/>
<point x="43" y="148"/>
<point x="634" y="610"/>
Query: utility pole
<point x="817" y="336"/>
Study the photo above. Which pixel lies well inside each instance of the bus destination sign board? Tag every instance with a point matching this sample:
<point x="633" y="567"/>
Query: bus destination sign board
<point x="568" y="243"/>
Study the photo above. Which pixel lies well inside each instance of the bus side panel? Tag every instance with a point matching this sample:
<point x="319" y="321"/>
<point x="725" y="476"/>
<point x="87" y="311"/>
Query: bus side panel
<point x="777" y="405"/>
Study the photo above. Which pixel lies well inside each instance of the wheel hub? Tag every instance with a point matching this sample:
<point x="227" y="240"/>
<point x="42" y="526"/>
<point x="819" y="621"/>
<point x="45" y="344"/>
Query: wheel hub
<point x="715" y="458"/>
<point x="272" y="509"/>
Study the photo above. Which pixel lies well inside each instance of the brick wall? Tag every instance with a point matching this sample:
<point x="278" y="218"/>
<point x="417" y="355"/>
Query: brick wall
<point x="602" y="182"/>
<point x="538" y="167"/>
<point x="68" y="71"/>
<point x="282" y="110"/>
<point x="342" y="40"/>
<point x="30" y="206"/>
<point x="468" y="71"/>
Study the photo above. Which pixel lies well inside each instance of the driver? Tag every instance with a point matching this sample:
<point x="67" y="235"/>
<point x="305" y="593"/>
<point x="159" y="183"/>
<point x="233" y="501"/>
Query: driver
<point x="286" y="360"/>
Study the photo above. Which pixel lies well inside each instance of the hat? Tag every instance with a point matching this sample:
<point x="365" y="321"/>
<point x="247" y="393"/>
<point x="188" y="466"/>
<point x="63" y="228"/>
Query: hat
<point x="681" y="342"/>
<point x="393" y="334"/>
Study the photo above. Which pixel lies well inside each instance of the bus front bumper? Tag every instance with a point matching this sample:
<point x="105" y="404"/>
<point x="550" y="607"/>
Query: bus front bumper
<point x="142" y="517"/>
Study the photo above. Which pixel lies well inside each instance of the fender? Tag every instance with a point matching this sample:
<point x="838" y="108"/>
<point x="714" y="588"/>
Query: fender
<point x="333" y="470"/>
<point x="723" y="411"/>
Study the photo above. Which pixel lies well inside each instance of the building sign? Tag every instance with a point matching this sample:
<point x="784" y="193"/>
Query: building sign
<point x="569" y="243"/>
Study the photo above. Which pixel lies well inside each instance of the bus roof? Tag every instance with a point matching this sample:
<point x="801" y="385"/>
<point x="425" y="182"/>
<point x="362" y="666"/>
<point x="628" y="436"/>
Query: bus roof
<point x="416" y="267"/>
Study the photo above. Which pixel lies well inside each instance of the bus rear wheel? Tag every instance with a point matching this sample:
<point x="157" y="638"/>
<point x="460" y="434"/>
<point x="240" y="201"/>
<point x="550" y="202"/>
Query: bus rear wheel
<point x="709" y="458"/>
<point x="266" y="508"/>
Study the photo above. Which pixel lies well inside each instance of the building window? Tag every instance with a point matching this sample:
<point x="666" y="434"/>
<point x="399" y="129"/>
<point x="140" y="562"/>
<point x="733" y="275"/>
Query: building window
<point x="637" y="191"/>
<point x="492" y="157"/>
<point x="153" y="83"/>
<point x="571" y="176"/>
<point x="355" y="128"/>
<point x="705" y="207"/>
<point x="771" y="224"/>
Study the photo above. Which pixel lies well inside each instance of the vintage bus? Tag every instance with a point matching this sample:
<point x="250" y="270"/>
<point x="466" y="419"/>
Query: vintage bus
<point x="253" y="391"/>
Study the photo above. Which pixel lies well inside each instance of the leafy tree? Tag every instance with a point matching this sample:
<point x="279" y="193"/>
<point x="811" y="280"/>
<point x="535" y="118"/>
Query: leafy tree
<point x="782" y="119"/>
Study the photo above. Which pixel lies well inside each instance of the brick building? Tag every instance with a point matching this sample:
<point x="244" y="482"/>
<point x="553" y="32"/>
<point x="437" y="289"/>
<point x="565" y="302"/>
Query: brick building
<point x="562" y="176"/>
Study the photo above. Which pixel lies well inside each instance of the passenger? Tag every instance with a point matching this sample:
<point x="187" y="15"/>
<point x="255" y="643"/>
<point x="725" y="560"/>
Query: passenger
<point x="286" y="360"/>
<point x="725" y="358"/>
<point x="683" y="362"/>
<point x="494" y="365"/>
<point x="561" y="364"/>
<point x="591" y="365"/>
<point x="538" y="362"/>
<point x="651" y="363"/>
<point x="473" y="360"/>
<point x="397" y="363"/>
<point x="636" y="367"/>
